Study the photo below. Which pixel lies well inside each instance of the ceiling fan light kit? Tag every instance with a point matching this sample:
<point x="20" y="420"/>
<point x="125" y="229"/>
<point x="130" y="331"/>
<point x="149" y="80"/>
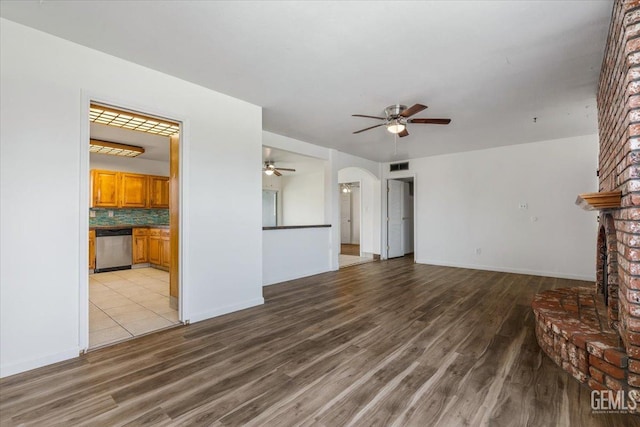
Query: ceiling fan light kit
<point x="396" y="126"/>
<point x="397" y="117"/>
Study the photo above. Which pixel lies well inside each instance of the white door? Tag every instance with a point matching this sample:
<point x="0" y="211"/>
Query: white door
<point x="407" y="219"/>
<point x="395" y="240"/>
<point x="345" y="217"/>
<point x="355" y="215"/>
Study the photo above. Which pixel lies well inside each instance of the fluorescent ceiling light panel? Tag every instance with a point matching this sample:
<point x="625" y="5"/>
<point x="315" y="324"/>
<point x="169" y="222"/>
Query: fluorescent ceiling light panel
<point x="114" y="148"/>
<point x="132" y="121"/>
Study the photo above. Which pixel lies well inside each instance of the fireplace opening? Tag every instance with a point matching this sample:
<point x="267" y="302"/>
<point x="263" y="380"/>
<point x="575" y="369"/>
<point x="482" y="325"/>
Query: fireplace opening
<point x="604" y="258"/>
<point x="607" y="268"/>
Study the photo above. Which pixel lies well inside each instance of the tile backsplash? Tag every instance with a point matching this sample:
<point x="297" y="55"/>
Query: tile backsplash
<point x="129" y="217"/>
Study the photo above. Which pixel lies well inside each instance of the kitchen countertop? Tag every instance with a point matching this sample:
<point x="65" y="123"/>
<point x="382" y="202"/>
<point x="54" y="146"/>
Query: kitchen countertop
<point x="290" y="227"/>
<point x="122" y="226"/>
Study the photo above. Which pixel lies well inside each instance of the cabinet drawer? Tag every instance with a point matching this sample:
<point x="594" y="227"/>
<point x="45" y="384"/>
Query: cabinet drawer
<point x="154" y="231"/>
<point x="140" y="231"/>
<point x="164" y="233"/>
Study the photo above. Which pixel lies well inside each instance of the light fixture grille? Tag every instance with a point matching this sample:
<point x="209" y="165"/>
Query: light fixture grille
<point x="114" y="148"/>
<point x="131" y="121"/>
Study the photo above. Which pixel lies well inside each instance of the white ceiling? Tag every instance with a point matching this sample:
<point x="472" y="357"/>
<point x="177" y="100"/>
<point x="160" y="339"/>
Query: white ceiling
<point x="156" y="147"/>
<point x="490" y="66"/>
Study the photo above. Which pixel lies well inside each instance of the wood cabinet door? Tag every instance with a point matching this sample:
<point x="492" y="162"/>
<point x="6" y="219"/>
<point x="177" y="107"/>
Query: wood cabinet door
<point x="166" y="252"/>
<point x="140" y="249"/>
<point x="155" y="250"/>
<point x="104" y="189"/>
<point x="92" y="249"/>
<point x="158" y="192"/>
<point x="133" y="190"/>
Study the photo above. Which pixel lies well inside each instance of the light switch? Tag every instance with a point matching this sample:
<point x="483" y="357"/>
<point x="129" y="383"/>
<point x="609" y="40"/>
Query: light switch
<point x="110" y="214"/>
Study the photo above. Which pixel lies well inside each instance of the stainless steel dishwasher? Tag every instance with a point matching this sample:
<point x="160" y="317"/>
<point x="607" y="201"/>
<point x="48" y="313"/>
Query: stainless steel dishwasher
<point x="113" y="249"/>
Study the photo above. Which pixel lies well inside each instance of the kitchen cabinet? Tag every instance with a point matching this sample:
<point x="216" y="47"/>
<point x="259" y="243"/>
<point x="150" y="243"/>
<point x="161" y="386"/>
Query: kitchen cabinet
<point x="92" y="249"/>
<point x="105" y="189"/>
<point x="155" y="246"/>
<point x="140" y="250"/>
<point x="133" y="190"/>
<point x="166" y="249"/>
<point x="159" y="247"/>
<point x="111" y="189"/>
<point x="158" y="192"/>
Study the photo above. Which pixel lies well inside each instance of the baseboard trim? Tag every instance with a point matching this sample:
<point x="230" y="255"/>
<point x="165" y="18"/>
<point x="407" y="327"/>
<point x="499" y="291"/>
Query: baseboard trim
<point x="296" y="276"/>
<point x="198" y="317"/>
<point x="39" y="362"/>
<point x="507" y="270"/>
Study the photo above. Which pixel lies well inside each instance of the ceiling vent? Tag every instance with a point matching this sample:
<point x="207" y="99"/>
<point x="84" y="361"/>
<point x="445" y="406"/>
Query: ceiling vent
<point x="394" y="167"/>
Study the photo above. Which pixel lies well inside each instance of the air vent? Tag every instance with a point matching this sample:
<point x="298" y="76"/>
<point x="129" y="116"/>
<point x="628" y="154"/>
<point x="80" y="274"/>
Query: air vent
<point x="394" y="167"/>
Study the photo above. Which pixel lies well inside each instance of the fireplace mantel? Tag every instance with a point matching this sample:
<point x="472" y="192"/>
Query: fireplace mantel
<point x="600" y="200"/>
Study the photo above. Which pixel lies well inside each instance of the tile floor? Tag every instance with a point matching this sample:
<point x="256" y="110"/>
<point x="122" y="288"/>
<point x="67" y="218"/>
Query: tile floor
<point x="127" y="303"/>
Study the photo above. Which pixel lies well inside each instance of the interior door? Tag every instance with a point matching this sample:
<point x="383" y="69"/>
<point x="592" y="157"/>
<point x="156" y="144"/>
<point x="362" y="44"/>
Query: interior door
<point x="395" y="240"/>
<point x="407" y="218"/>
<point x="355" y="215"/>
<point x="174" y="222"/>
<point x="345" y="217"/>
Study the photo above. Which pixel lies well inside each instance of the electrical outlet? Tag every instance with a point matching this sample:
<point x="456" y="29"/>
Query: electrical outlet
<point x="110" y="214"/>
<point x="523" y="205"/>
<point x="92" y="214"/>
<point x="478" y="251"/>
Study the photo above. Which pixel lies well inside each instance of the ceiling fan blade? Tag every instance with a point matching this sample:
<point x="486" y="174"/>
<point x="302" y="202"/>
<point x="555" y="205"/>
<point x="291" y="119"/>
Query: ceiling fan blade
<point x="362" y="130"/>
<point x="413" y="110"/>
<point x="285" y="169"/>
<point x="431" y="121"/>
<point x="276" y="173"/>
<point x="369" y="117"/>
<point x="405" y="132"/>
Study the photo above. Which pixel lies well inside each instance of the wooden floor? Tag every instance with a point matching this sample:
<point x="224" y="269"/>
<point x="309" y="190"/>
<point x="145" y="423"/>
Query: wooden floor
<point x="388" y="343"/>
<point x="348" y="249"/>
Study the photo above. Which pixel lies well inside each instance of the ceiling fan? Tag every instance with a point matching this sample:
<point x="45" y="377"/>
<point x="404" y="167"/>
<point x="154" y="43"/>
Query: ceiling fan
<point x="271" y="169"/>
<point x="397" y="117"/>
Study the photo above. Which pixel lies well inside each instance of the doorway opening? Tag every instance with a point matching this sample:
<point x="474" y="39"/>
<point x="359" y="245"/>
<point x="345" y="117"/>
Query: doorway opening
<point x="134" y="204"/>
<point x="351" y="225"/>
<point x="400" y="217"/>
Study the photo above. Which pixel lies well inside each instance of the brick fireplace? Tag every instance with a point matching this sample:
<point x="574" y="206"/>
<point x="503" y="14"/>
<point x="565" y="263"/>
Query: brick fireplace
<point x="598" y="343"/>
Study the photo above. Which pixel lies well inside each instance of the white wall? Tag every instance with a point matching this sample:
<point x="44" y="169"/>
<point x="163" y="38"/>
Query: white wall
<point x="126" y="164"/>
<point x="471" y="200"/>
<point x="292" y="253"/>
<point x="271" y="182"/>
<point x="45" y="82"/>
<point x="303" y="199"/>
<point x="370" y="189"/>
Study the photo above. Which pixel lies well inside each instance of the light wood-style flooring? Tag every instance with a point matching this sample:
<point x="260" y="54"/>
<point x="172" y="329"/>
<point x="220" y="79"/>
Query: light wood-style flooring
<point x="349" y="249"/>
<point x="389" y="343"/>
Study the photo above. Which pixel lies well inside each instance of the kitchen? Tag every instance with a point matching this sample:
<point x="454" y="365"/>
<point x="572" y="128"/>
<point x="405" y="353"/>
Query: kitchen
<point x="132" y="247"/>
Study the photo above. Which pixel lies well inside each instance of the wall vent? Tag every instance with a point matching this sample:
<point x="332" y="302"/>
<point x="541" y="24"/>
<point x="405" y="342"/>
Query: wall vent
<point x="394" y="167"/>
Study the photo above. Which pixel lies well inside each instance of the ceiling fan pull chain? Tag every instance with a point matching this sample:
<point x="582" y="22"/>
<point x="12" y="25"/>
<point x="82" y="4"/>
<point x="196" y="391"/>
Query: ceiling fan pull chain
<point x="395" y="140"/>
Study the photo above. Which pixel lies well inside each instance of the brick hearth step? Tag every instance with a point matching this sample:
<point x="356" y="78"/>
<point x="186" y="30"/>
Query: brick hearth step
<point x="572" y="328"/>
